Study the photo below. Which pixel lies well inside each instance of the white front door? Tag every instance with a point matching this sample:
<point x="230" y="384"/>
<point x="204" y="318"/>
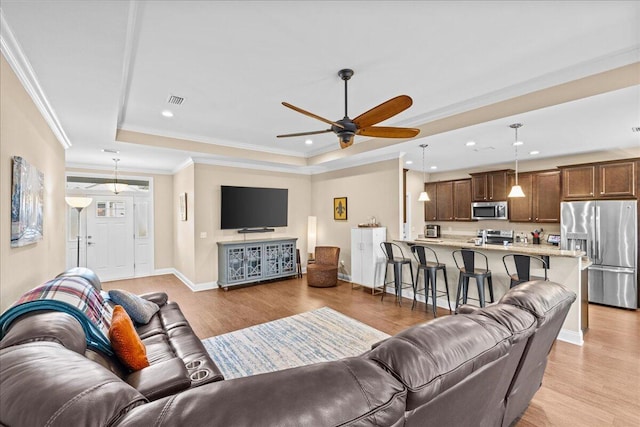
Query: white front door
<point x="110" y="240"/>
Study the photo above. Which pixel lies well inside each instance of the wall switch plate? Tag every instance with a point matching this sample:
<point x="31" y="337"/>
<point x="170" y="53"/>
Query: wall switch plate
<point x="203" y="234"/>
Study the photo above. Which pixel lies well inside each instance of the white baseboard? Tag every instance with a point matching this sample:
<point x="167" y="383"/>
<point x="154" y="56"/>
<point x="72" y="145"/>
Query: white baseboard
<point x="195" y="287"/>
<point x="572" y="337"/>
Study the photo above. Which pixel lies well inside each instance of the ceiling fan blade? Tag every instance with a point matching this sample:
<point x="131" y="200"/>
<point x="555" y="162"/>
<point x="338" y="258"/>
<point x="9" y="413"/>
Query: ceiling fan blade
<point x="383" y="111"/>
<point x="345" y="144"/>
<point x="388" y="132"/>
<point x="304" y="133"/>
<point x="306" y="113"/>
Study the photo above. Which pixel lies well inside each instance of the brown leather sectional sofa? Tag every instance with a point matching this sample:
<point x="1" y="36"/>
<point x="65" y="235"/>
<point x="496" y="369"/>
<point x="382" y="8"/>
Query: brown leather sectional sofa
<point x="477" y="368"/>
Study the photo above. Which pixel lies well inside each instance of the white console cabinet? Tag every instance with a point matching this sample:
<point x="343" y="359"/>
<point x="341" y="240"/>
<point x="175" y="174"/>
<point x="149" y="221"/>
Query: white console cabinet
<point x="367" y="259"/>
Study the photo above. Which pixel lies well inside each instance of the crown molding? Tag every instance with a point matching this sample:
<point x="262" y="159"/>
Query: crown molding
<point x="16" y="58"/>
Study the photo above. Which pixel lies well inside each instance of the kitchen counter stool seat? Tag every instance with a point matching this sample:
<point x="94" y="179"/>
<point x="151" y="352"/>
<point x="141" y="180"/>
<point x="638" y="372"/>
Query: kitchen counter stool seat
<point x="465" y="260"/>
<point x="430" y="269"/>
<point x="391" y="252"/>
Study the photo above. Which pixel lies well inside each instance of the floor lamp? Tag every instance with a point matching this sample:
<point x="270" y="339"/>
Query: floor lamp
<point x="78" y="203"/>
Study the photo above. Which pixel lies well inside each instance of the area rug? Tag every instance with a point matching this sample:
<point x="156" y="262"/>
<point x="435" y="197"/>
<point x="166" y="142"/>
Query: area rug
<point x="316" y="336"/>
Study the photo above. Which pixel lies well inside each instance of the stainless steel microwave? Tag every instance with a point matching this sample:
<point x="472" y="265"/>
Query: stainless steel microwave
<point x="489" y="210"/>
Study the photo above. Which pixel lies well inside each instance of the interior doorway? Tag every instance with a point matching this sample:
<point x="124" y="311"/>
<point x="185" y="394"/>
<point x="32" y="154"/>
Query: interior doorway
<point x="116" y="231"/>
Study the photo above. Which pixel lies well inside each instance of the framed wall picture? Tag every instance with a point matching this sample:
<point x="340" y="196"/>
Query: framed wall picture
<point x="183" y="206"/>
<point x="27" y="199"/>
<point x="340" y="208"/>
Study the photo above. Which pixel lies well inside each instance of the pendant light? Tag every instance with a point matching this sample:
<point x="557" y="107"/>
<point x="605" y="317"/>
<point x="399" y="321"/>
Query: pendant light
<point x="424" y="197"/>
<point x="516" y="190"/>
<point x="116" y="187"/>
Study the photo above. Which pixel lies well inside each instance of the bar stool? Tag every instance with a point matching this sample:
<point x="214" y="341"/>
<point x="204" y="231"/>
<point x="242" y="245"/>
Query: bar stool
<point x="390" y="251"/>
<point x="467" y="267"/>
<point x="430" y="270"/>
<point x="523" y="268"/>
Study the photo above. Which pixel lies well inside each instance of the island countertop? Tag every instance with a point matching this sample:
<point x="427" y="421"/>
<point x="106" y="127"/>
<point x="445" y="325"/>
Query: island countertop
<point x="522" y="248"/>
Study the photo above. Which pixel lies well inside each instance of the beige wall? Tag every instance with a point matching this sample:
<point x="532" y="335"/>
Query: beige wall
<point x="184" y="231"/>
<point x="371" y="190"/>
<point x="209" y="178"/>
<point x="24" y="132"/>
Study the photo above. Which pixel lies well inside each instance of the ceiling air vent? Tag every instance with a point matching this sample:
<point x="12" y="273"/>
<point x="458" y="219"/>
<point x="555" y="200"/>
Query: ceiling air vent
<point x="635" y="129"/>
<point x="483" y="149"/>
<point x="175" y="100"/>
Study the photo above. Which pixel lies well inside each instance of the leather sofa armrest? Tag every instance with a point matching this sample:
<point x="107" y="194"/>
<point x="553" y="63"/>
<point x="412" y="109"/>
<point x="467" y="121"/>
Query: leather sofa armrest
<point x="160" y="379"/>
<point x="467" y="309"/>
<point x="159" y="298"/>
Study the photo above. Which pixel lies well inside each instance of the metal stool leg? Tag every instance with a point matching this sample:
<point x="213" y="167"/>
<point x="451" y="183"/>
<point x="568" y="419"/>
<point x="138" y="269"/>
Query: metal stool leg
<point x="480" y="285"/>
<point x="384" y="281"/>
<point x="415" y="288"/>
<point x="397" y="270"/>
<point x="490" y="288"/>
<point x="465" y="289"/>
<point x="458" y="290"/>
<point x="433" y="273"/>
<point x="446" y="284"/>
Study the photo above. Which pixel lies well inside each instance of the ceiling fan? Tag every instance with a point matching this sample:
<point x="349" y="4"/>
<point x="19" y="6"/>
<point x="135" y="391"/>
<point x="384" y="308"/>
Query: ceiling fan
<point x="347" y="129"/>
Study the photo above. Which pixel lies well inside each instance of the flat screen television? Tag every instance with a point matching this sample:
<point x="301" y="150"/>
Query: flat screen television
<point x="253" y="207"/>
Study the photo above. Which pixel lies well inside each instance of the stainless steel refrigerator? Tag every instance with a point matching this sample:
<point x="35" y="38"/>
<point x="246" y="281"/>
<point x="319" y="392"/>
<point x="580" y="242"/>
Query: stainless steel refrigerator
<point x="607" y="232"/>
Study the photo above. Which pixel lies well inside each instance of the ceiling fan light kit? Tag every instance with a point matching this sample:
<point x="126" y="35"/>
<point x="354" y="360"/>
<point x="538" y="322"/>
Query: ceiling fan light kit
<point x="346" y="129"/>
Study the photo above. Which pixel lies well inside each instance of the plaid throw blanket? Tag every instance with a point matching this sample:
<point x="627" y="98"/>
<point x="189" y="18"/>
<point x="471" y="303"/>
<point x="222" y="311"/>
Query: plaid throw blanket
<point x="71" y="295"/>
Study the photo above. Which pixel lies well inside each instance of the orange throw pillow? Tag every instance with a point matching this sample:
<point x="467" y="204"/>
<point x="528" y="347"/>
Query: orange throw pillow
<point x="125" y="341"/>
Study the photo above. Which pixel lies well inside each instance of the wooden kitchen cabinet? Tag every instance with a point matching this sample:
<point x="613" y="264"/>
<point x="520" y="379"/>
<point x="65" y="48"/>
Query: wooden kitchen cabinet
<point x="430" y="212"/>
<point x="600" y="180"/>
<point x="489" y="186"/>
<point x="462" y="200"/>
<point x="546" y="200"/>
<point x="444" y="201"/>
<point x="617" y="180"/>
<point x="452" y="201"/>
<point x="542" y="197"/>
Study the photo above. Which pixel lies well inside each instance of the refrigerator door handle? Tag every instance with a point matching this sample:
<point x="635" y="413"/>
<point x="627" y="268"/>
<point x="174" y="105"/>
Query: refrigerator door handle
<point x="597" y="230"/>
<point x="612" y="269"/>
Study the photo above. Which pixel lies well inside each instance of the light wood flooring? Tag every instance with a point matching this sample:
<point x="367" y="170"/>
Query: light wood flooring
<point x="597" y="384"/>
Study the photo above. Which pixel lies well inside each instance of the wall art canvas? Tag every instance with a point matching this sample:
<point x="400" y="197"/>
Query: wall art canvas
<point x="340" y="208"/>
<point x="27" y="195"/>
<point x="183" y="206"/>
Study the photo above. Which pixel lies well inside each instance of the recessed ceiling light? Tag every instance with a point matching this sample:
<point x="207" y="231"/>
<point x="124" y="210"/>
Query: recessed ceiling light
<point x="409" y="162"/>
<point x="470" y="143"/>
<point x="308" y="142"/>
<point x="433" y="167"/>
<point x="167" y="113"/>
<point x="534" y="152"/>
<point x="518" y="143"/>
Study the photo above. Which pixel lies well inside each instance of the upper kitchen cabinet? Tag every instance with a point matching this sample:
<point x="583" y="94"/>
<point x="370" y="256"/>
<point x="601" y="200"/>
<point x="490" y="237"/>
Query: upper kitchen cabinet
<point x="542" y="197"/>
<point x="607" y="180"/>
<point x="430" y="212"/>
<point x="452" y="201"/>
<point x="462" y="200"/>
<point x="489" y="186"/>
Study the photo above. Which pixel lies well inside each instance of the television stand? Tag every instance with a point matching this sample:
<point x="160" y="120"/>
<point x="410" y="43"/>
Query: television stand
<point x="256" y="230"/>
<point x="252" y="261"/>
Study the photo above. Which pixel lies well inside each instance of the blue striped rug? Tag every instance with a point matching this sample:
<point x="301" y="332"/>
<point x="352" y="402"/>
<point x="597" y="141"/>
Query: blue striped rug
<point x="316" y="336"/>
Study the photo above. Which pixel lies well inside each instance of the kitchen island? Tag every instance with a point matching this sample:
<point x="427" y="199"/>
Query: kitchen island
<point x="568" y="268"/>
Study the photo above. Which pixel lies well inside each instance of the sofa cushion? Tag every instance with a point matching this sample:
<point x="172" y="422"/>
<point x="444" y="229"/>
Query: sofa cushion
<point x="125" y="341"/>
<point x="53" y="326"/>
<point x="44" y="383"/>
<point x="347" y="392"/>
<point x="139" y="309"/>
<point x="434" y="356"/>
